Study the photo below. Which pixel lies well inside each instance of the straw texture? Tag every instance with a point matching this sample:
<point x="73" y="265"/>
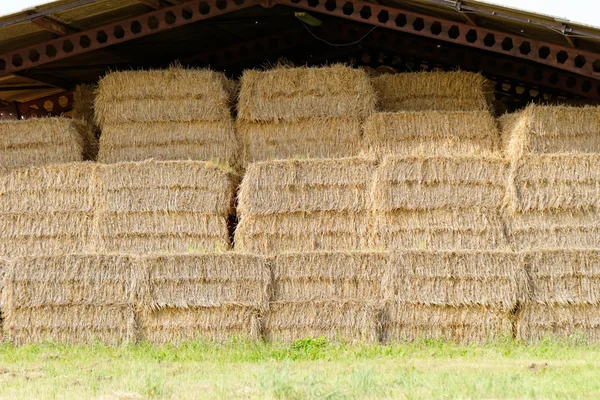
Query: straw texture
<point x="541" y="321"/>
<point x="83" y="114"/>
<point x="432" y="133"/>
<point x="70" y="299"/>
<point x="442" y="91"/>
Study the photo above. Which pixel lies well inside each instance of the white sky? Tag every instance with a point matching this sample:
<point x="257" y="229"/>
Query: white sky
<point x="583" y="11"/>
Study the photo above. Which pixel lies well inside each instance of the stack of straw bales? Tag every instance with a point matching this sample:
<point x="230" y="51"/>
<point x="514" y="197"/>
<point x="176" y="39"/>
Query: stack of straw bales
<point x="432" y="133"/>
<point x="70" y="299"/>
<point x="305" y="205"/>
<point x="332" y="294"/>
<point x="551" y="129"/>
<point x="208" y="297"/>
<point x="565" y="296"/>
<point x="47" y="210"/>
<point x="441" y="91"/>
<point x="40" y="141"/>
<point x="174" y="114"/>
<point x="459" y="296"/>
<point x="83" y="111"/>
<point x="159" y="206"/>
<point x="554" y="201"/>
<point x="303" y="112"/>
<point x="440" y="203"/>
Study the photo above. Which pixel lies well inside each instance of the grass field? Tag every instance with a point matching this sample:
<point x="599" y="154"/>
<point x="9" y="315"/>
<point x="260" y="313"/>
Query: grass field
<point x="307" y="369"/>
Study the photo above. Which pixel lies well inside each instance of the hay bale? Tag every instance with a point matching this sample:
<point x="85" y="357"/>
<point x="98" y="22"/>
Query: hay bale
<point x="564" y="277"/>
<point x="70" y="299"/>
<point x="552" y="129"/>
<point x="306" y="277"/>
<point x="552" y="321"/>
<point x="328" y="137"/>
<point x="557" y="182"/>
<point x="292" y="94"/>
<point x="157" y="206"/>
<point x="288" y="186"/>
<point x="176" y="94"/>
<point x="441" y="91"/>
<point x="432" y="133"/>
<point x="40" y="141"/>
<point x="47" y="210"/>
<point x="138" y="141"/>
<point x="420" y="183"/>
<point x="456" y="279"/>
<point x="303" y="231"/>
<point x="207" y="296"/>
<point x="353" y="322"/>
<point x="440" y="229"/>
<point x="84" y="97"/>
<point x="463" y="324"/>
<point x="554" y="230"/>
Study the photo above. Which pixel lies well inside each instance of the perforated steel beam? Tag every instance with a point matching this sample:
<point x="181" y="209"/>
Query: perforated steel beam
<point x="55" y="104"/>
<point x="118" y="32"/>
<point x="578" y="61"/>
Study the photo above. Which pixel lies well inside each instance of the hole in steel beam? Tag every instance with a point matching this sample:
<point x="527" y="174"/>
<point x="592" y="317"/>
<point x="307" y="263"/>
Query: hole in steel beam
<point x="538" y="74"/>
<point x="238" y="2"/>
<point x="580" y="61"/>
<point x="383" y="16"/>
<point x="507" y="44"/>
<point x="204" y="8"/>
<point x="63" y="101"/>
<point x="170" y="18"/>
<point x="365" y="12"/>
<point x="525" y="48"/>
<point x="571" y="82"/>
<point x="2" y="64"/>
<point x="152" y="23"/>
<point x="119" y="32"/>
<point x="330" y="5"/>
<point x="436" y="28"/>
<point x="67" y="46"/>
<point x="562" y="56"/>
<point x="544" y="52"/>
<point x="489" y="40"/>
<point x="34" y="55"/>
<point x="187" y="13"/>
<point x="419" y="24"/>
<point x="348" y="8"/>
<point x="51" y="51"/>
<point x="84" y="41"/>
<point x="520" y="89"/>
<point x="453" y="32"/>
<point x="313" y="3"/>
<point x="471" y="36"/>
<point x="586" y="86"/>
<point x="596" y="66"/>
<point x="401" y="20"/>
<point x="48" y="105"/>
<point x="221" y="4"/>
<point x="534" y="93"/>
<point x="101" y="37"/>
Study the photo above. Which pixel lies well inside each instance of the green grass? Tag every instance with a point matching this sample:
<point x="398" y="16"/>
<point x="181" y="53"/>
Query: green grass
<point x="306" y="369"/>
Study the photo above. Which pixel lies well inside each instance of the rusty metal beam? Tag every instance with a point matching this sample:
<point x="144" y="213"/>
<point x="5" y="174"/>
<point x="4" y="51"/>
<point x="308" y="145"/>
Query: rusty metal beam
<point x="52" y="26"/>
<point x="9" y="112"/>
<point x="118" y="32"/>
<point x="578" y="61"/>
<point x="37" y="108"/>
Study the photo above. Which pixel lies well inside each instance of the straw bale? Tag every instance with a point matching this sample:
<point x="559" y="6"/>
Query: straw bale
<point x="555" y="182"/>
<point x="420" y="183"/>
<point x="463" y="324"/>
<point x="305" y="277"/>
<point x="70" y="299"/>
<point x="456" y="278"/>
<point x="432" y="133"/>
<point x="83" y="104"/>
<point x="173" y="186"/>
<point x="175" y="94"/>
<point x="301" y="231"/>
<point x="51" y="188"/>
<point x="552" y="129"/>
<point x="40" y="141"/>
<point x="206" y="280"/>
<point x="293" y="94"/>
<point x="440" y="229"/>
<point x="306" y="185"/>
<point x="155" y="231"/>
<point x="442" y="91"/>
<point x="138" y="141"/>
<point x="174" y="325"/>
<point x="349" y="321"/>
<point x="552" y="230"/>
<point x="565" y="277"/>
<point x="540" y="321"/>
<point x="328" y="137"/>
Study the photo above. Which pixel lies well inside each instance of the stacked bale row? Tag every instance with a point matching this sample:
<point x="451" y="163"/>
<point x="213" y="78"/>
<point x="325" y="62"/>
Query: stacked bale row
<point x="174" y="114"/>
<point x="153" y="206"/>
<point x="303" y="112"/>
<point x="305" y="205"/>
<point x="554" y="185"/>
<point x="41" y="141"/>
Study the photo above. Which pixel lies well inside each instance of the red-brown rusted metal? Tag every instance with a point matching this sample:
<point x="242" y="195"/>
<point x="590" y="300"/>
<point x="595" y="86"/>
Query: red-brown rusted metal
<point x="9" y="112"/>
<point x="118" y="32"/>
<point x="55" y="104"/>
